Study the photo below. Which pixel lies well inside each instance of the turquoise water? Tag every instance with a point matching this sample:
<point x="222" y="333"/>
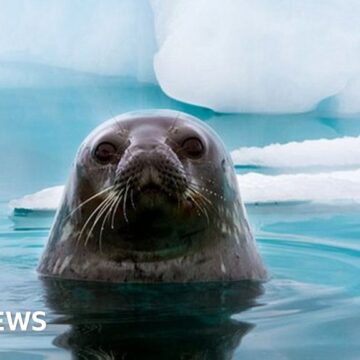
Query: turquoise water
<point x="309" y="309"/>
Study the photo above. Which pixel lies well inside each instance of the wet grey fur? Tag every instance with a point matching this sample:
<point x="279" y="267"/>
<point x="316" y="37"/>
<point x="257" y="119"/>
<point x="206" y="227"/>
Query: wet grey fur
<point x="184" y="241"/>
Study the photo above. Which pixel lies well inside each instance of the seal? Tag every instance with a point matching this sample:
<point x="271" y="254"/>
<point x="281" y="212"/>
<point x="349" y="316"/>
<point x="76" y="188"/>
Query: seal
<point x="152" y="197"/>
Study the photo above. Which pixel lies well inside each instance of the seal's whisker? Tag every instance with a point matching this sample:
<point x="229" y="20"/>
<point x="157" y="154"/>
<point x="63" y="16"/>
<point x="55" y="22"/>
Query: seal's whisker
<point x="125" y="198"/>
<point x="202" y="209"/>
<point x="90" y="217"/>
<point x="132" y="198"/>
<point x="207" y="208"/>
<point x="200" y="198"/>
<point x="200" y="195"/>
<point x="115" y="199"/>
<point x="197" y="186"/>
<point x="99" y="215"/>
<point x="192" y="195"/>
<point x="172" y="126"/>
<point x="89" y="199"/>
<point x="97" y="219"/>
<point x="108" y="213"/>
<point x="117" y="203"/>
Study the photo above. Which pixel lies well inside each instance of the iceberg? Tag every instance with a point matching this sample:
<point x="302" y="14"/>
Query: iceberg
<point x="339" y="152"/>
<point x="259" y="56"/>
<point x="110" y="38"/>
<point x="230" y="56"/>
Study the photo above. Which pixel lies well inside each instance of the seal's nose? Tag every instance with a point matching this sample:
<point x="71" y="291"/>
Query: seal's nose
<point x="147" y="146"/>
<point x="151" y="164"/>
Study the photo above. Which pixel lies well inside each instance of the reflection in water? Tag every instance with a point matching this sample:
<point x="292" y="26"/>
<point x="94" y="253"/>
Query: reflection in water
<point x="140" y="321"/>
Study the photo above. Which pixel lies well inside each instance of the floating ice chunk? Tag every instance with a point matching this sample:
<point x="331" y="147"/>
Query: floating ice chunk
<point x="326" y="187"/>
<point x="258" y="56"/>
<point x="47" y="199"/>
<point x="339" y="152"/>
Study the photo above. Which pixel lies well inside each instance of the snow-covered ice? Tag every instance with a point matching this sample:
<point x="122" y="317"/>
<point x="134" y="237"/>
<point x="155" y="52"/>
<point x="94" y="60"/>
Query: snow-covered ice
<point x="339" y="152"/>
<point x="46" y="199"/>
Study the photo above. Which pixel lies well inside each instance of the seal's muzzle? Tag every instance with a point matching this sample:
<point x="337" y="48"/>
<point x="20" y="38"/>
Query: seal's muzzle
<point x="152" y="171"/>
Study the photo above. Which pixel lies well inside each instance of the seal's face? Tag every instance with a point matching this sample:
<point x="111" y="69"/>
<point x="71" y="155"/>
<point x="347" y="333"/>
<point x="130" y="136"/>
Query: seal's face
<point x="152" y="197"/>
<point x="148" y="184"/>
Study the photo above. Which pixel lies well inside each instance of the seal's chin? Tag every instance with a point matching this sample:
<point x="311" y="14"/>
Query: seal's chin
<point x="155" y="233"/>
<point x="159" y="225"/>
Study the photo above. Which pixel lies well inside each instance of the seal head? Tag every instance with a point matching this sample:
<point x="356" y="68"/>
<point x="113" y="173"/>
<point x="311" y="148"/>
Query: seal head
<point x="152" y="197"/>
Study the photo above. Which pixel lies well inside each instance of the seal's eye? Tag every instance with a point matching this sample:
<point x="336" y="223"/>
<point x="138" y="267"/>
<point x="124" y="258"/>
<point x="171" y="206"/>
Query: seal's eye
<point x="193" y="147"/>
<point x="105" y="152"/>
